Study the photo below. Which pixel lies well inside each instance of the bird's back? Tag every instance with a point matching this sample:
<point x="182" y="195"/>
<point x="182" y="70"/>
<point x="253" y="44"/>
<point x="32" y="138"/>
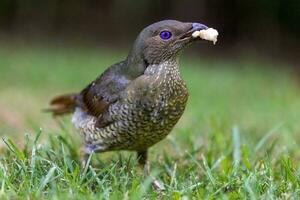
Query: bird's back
<point x="96" y="98"/>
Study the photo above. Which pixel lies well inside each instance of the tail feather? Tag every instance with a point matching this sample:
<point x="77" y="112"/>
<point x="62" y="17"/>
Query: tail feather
<point x="63" y="104"/>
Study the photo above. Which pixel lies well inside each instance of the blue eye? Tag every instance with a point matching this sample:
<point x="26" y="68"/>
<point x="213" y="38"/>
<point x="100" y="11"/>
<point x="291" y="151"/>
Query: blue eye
<point x="165" y="35"/>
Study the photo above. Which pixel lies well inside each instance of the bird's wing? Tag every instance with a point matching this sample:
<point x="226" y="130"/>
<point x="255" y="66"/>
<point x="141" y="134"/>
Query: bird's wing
<point x="110" y="87"/>
<point x="132" y="90"/>
<point x="105" y="90"/>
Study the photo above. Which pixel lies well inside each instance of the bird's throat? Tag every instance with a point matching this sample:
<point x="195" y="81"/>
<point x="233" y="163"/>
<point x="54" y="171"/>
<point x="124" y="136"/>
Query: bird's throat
<point x="165" y="74"/>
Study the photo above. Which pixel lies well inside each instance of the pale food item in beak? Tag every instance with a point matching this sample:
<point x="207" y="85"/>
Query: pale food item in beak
<point x="209" y="34"/>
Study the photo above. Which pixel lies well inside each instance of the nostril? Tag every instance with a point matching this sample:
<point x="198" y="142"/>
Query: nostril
<point x="198" y="26"/>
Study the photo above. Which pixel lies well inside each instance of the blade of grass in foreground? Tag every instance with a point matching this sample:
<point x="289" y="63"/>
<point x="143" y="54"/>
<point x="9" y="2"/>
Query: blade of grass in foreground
<point x="236" y="150"/>
<point x="264" y="139"/>
<point x="46" y="179"/>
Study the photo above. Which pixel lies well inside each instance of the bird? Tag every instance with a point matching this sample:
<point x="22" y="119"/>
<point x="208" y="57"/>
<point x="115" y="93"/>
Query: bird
<point x="134" y="103"/>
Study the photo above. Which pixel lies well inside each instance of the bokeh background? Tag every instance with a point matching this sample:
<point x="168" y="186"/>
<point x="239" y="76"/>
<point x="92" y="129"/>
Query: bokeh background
<point x="249" y="78"/>
<point x="264" y="28"/>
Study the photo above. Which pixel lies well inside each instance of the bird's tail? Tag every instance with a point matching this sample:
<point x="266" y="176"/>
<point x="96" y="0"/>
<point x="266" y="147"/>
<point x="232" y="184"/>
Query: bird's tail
<point x="63" y="104"/>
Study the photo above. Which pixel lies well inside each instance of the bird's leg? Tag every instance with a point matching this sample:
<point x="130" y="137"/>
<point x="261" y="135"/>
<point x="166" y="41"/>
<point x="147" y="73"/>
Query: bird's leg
<point x="84" y="157"/>
<point x="86" y="151"/>
<point x="142" y="157"/>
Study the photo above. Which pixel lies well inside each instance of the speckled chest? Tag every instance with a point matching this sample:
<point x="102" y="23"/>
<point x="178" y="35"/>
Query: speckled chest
<point x="162" y="115"/>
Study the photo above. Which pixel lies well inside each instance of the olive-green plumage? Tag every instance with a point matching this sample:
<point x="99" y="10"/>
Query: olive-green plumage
<point x="134" y="103"/>
<point x="145" y="113"/>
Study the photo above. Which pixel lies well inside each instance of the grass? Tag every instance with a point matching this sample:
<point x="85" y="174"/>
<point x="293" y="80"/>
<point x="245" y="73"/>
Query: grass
<point x="238" y="138"/>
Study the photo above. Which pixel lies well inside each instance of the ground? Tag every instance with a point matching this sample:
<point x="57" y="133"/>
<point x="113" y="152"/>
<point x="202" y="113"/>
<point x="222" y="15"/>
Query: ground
<point x="237" y="139"/>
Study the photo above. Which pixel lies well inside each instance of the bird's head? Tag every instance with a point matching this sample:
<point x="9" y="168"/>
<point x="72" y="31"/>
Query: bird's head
<point x="163" y="40"/>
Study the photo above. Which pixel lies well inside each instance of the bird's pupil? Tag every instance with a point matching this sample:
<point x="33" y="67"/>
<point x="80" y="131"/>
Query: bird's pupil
<point x="165" y="35"/>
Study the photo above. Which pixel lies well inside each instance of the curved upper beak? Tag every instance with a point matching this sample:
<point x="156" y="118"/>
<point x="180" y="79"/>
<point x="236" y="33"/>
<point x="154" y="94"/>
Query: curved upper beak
<point x="198" y="27"/>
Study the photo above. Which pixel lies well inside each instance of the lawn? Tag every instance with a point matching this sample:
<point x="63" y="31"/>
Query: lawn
<point x="238" y="137"/>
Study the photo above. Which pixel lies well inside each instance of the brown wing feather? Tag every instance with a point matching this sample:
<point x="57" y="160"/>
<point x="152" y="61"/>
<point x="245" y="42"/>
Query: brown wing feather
<point x="94" y="101"/>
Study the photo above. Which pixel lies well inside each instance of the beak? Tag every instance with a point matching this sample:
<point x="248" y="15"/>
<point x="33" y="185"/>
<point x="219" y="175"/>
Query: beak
<point x="195" y="27"/>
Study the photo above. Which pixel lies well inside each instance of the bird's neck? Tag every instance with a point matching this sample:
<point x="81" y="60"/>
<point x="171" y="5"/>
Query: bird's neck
<point x="165" y="74"/>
